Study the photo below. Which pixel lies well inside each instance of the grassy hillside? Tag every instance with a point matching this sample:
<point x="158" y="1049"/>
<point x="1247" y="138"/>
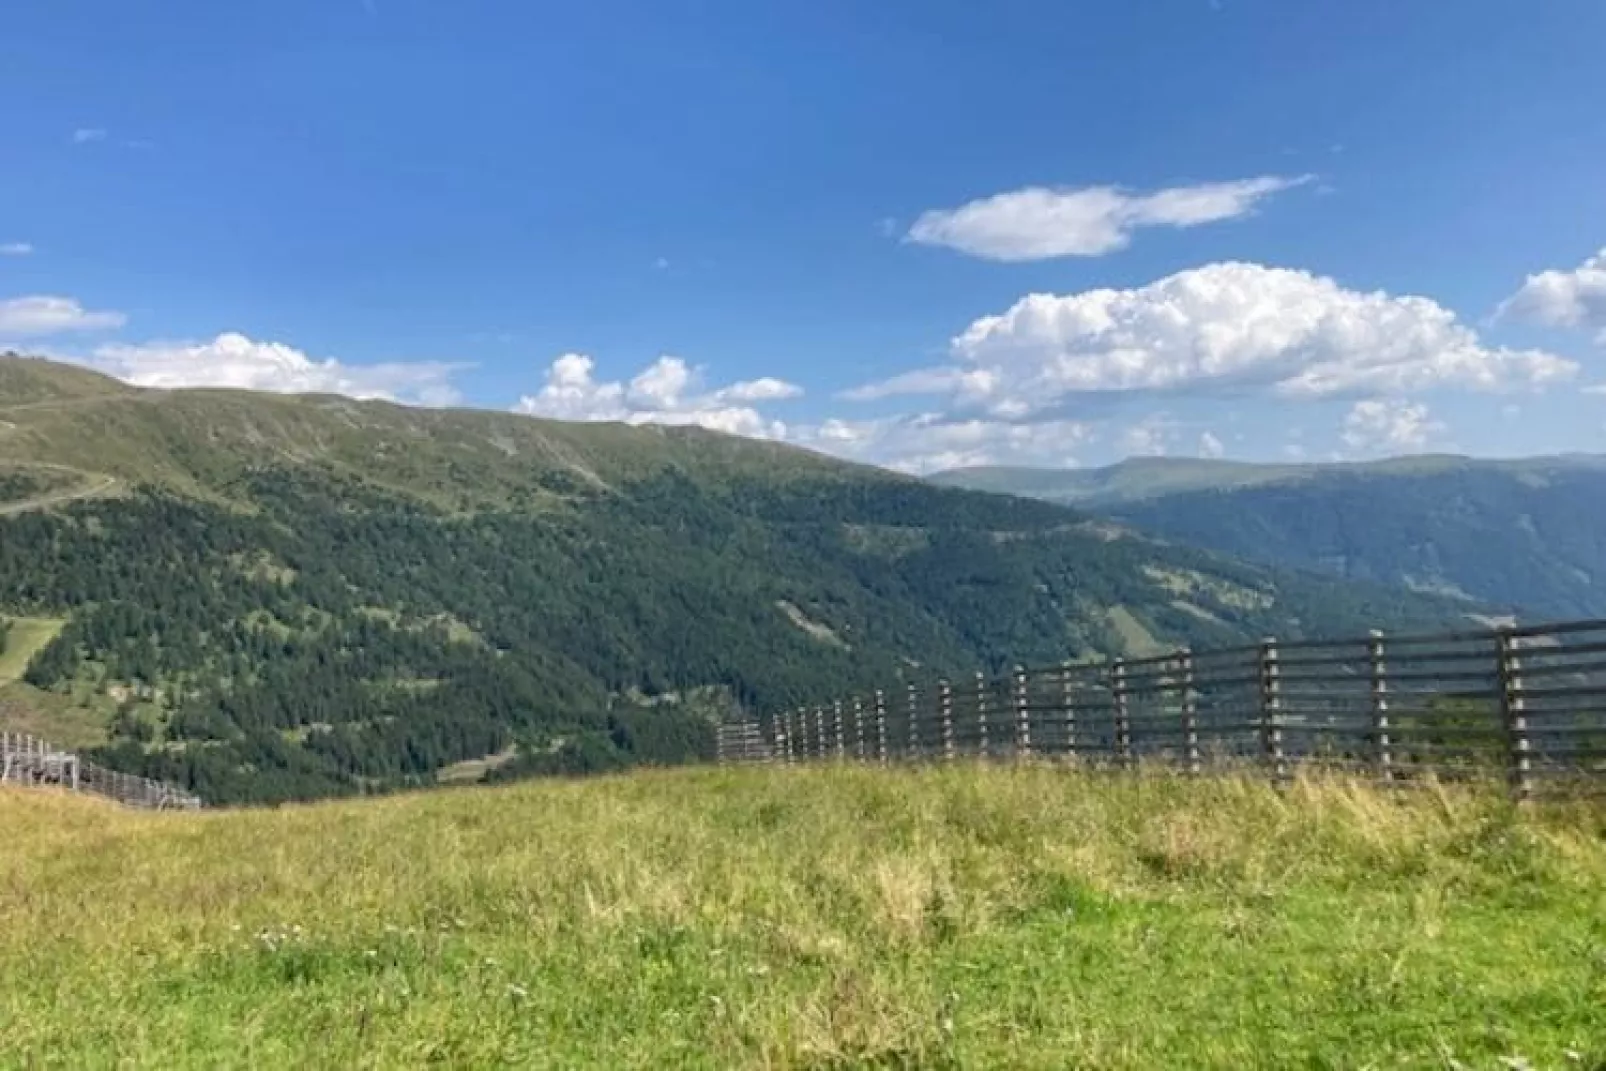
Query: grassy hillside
<point x="292" y="597"/>
<point x="20" y="640"/>
<point x="1136" y="478"/>
<point x="1528" y="534"/>
<point x="1142" y="479"/>
<point x="966" y="917"/>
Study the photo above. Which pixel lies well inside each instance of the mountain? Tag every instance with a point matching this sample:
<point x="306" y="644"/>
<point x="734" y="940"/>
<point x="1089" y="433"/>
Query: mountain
<point x="267" y="597"/>
<point x="1138" y="478"/>
<point x="1527" y="534"/>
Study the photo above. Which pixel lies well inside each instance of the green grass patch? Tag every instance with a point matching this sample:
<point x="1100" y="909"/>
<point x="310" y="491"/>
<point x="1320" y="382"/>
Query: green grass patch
<point x="1136" y="639"/>
<point x="52" y="716"/>
<point x="966" y="917"/>
<point x="27" y="635"/>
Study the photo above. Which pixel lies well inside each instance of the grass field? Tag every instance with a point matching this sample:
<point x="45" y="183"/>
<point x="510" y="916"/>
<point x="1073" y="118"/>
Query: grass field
<point x="965" y="917"/>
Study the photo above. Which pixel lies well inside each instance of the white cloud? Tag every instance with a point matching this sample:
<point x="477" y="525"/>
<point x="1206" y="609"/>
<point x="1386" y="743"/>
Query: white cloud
<point x="46" y="315"/>
<point x="233" y="360"/>
<point x="15" y="249"/>
<point x="766" y="389"/>
<point x="1227" y="326"/>
<point x="665" y="392"/>
<point x="924" y="381"/>
<point x="669" y="392"/>
<point x="1152" y="436"/>
<point x="931" y="442"/>
<point x="1210" y="446"/>
<point x="1040" y="222"/>
<point x="1389" y="425"/>
<point x="1554" y="298"/>
<point x="86" y="134"/>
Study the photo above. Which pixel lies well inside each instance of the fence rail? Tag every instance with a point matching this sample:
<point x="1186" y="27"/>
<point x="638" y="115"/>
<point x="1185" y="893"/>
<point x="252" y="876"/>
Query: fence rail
<point x="27" y="760"/>
<point x="1528" y="704"/>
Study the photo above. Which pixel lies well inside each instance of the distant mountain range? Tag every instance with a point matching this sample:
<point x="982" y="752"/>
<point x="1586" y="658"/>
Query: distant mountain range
<point x="266" y="597"/>
<point x="1526" y="534"/>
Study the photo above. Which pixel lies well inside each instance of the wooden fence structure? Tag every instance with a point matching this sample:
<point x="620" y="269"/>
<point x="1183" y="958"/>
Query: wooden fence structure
<point x="27" y="760"/>
<point x="1527" y="704"/>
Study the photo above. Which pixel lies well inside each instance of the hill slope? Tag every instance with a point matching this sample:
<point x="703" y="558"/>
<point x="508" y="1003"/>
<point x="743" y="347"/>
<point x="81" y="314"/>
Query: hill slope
<point x="294" y="596"/>
<point x="1528" y="533"/>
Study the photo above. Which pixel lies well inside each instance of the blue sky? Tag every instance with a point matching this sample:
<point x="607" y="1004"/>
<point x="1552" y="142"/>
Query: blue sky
<point x="1252" y="228"/>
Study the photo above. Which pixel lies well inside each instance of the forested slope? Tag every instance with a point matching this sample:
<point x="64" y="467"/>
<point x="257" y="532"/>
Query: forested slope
<point x="1527" y="534"/>
<point x="292" y="597"/>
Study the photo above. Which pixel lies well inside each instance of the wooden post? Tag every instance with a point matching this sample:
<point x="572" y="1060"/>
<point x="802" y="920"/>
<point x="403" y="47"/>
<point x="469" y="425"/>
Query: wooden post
<point x="841" y="736"/>
<point x="945" y="711"/>
<point x="1514" y="706"/>
<point x="881" y="726"/>
<point x="1068" y="697"/>
<point x="1190" y="713"/>
<point x="1271" y="709"/>
<point x="1123" y="723"/>
<point x="1023" y="723"/>
<point x="914" y="722"/>
<point x="858" y="727"/>
<point x="1382" y="743"/>
<point x="981" y="714"/>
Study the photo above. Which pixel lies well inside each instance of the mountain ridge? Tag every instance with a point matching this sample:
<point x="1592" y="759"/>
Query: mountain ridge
<point x="1527" y="533"/>
<point x="1140" y="478"/>
<point x="293" y="596"/>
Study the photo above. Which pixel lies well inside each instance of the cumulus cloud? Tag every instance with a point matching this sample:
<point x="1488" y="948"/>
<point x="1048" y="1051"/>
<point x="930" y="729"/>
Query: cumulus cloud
<point x="1389" y="425"/>
<point x="668" y="391"/>
<point x="931" y="442"/>
<point x="46" y="315"/>
<point x="1210" y="446"/>
<point x="15" y="249"/>
<point x="86" y="134"/>
<point x="1226" y="326"/>
<point x="1038" y="223"/>
<point x="233" y="360"/>
<point x="1575" y="298"/>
